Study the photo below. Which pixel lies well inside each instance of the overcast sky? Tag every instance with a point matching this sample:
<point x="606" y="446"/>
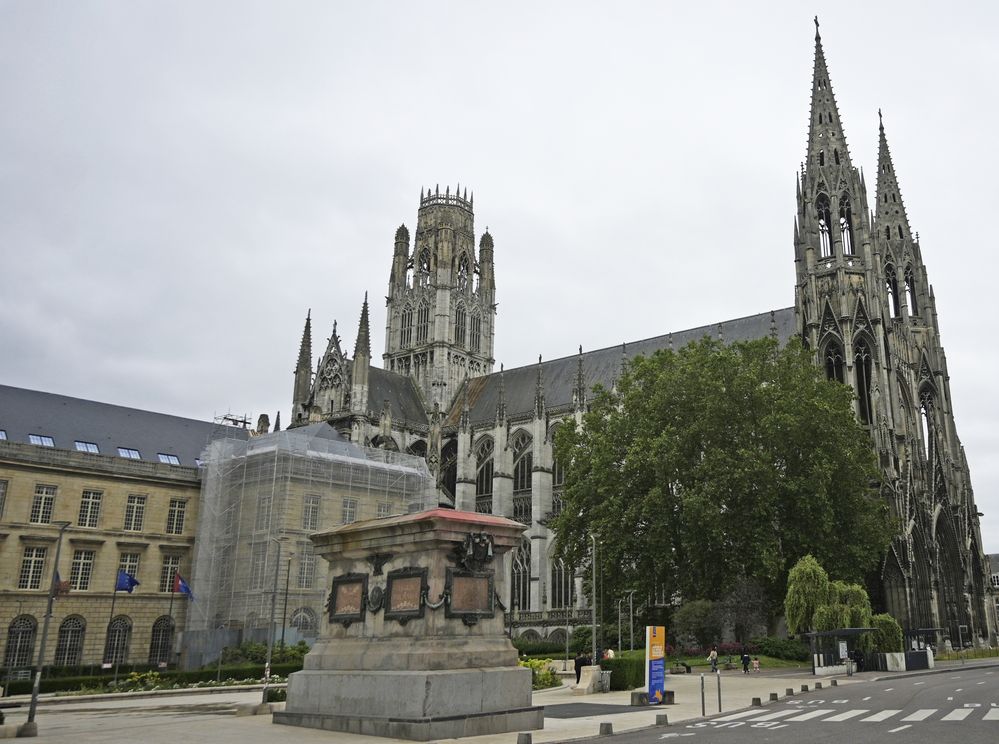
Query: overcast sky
<point x="180" y="182"/>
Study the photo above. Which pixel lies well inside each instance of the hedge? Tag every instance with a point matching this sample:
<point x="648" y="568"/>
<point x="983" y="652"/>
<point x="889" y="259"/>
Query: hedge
<point x="781" y="648"/>
<point x="626" y="673"/>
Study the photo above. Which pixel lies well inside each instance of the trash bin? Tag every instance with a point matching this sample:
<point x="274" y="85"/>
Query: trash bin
<point x="605" y="681"/>
<point x="849" y="667"/>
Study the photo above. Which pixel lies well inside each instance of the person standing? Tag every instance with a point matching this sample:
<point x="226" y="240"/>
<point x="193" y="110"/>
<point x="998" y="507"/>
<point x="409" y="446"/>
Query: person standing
<point x="745" y="660"/>
<point x="579" y="663"/>
<point x="713" y="658"/>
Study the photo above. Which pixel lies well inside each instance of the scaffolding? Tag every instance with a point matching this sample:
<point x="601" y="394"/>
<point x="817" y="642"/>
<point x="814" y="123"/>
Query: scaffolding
<point x="264" y="496"/>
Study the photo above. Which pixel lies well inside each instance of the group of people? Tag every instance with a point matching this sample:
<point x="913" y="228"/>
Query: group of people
<point x="583" y="660"/>
<point x="746" y="660"/>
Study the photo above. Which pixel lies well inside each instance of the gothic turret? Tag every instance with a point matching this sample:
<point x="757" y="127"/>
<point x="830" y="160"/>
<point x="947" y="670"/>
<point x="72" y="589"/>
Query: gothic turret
<point x="362" y="362"/>
<point x="400" y="261"/>
<point x="301" y="397"/>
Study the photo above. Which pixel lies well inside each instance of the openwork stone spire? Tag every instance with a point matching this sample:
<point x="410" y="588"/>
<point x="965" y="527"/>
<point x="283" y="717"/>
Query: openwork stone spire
<point x="362" y="347"/>
<point x="826" y="139"/>
<point x="891" y="216"/>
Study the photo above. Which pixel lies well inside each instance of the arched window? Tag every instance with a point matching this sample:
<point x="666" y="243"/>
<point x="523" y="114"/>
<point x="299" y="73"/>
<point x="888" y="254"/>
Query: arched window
<point x="161" y="643"/>
<point x="862" y="369"/>
<point x="484" y="476"/>
<point x="846" y="224"/>
<point x="117" y="641"/>
<point x="422" y="322"/>
<point x="822" y="157"/>
<point x="304" y="620"/>
<point x="910" y="291"/>
<point x="836" y="156"/>
<point x="887" y="228"/>
<point x="449" y="468"/>
<point x="558" y="481"/>
<point x="463" y="272"/>
<point x="423" y="268"/>
<point x="563" y="586"/>
<point x="521" y="579"/>
<point x="20" y="642"/>
<point x="926" y="403"/>
<point x="825" y="220"/>
<point x="891" y="285"/>
<point x="834" y="362"/>
<point x="523" y="464"/>
<point x="407" y="327"/>
<point x="69" y="645"/>
<point x="475" y="332"/>
<point x="899" y="232"/>
<point x="459" y="325"/>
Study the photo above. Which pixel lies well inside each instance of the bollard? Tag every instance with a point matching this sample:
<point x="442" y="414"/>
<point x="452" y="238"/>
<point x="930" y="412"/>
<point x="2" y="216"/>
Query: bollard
<point x="789" y="691"/>
<point x="757" y="702"/>
<point x="719" y="692"/>
<point x="773" y="697"/>
<point x="804" y="688"/>
<point x="524" y="738"/>
<point x="835" y="683"/>
<point x="606" y="728"/>
<point x="818" y="685"/>
<point x="703" y="713"/>
<point x="662" y="719"/>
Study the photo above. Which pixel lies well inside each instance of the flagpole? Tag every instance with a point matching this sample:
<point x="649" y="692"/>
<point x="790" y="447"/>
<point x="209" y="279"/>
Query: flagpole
<point x="173" y="590"/>
<point x="107" y="638"/>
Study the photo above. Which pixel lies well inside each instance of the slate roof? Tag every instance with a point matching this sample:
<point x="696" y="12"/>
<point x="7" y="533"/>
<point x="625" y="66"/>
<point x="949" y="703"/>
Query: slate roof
<point x="68" y="420"/>
<point x="400" y="391"/>
<point x="599" y="366"/>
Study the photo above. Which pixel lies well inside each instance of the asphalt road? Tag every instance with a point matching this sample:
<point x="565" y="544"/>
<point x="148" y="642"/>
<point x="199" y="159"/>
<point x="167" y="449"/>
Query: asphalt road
<point x="954" y="706"/>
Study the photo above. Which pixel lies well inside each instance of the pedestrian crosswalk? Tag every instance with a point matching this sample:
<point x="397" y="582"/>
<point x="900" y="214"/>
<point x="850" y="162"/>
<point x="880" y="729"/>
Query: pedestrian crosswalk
<point x="800" y="714"/>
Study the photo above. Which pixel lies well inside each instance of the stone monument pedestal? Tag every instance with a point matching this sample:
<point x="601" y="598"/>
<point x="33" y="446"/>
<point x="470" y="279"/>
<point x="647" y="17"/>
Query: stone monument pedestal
<point x="412" y="645"/>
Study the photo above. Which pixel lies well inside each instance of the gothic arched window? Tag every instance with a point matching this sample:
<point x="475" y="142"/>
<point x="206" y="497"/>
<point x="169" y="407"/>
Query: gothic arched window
<point x="899" y="232"/>
<point x="846" y="224"/>
<point x="20" y="642"/>
<point x="475" y="332"/>
<point x="836" y="156"/>
<point x="69" y="645"/>
<point x="459" y="325"/>
<point x="822" y="157"/>
<point x="116" y="643"/>
<point x="521" y="579"/>
<point x="304" y="620"/>
<point x="484" y="476"/>
<point x="891" y="285"/>
<point x="406" y="337"/>
<point x="563" y="585"/>
<point x="161" y="642"/>
<point x="926" y="404"/>
<point x="423" y="268"/>
<point x="862" y="369"/>
<point x="887" y="227"/>
<point x="910" y="291"/>
<point x="422" y="322"/>
<point x="834" y="362"/>
<point x="463" y="272"/>
<point x="523" y="464"/>
<point x="825" y="220"/>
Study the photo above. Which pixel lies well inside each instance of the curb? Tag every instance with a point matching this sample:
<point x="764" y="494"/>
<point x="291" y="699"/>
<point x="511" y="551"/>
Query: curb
<point x="940" y="670"/>
<point x="71" y="699"/>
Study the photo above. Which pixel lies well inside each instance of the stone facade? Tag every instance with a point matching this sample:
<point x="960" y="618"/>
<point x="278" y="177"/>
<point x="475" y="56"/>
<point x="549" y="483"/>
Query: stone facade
<point x="862" y="303"/>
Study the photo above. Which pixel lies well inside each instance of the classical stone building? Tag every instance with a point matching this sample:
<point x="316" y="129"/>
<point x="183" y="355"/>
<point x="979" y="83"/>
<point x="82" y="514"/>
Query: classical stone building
<point x="862" y="302"/>
<point x="127" y="483"/>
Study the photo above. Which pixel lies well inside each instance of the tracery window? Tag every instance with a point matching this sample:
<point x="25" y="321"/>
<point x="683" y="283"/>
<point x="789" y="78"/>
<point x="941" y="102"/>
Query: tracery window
<point x="20" y="642"/>
<point x="423" y="268"/>
<point x="825" y="220"/>
<point x="563" y="586"/>
<point x="406" y="337"/>
<point x="846" y="224"/>
<point x="834" y="362"/>
<point x="484" y="477"/>
<point x="459" y="325"/>
<point x="161" y="642"/>
<point x="422" y="322"/>
<point x="69" y="645"/>
<point x="926" y="404"/>
<point x="910" y="291"/>
<point x="862" y="369"/>
<point x="521" y="579"/>
<point x="475" y="332"/>
<point x="891" y="285"/>
<point x="463" y="272"/>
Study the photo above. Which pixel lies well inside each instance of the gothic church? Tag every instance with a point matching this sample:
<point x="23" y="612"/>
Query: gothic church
<point x="862" y="302"/>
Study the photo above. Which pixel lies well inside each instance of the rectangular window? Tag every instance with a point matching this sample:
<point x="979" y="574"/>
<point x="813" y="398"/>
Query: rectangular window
<point x="3" y="496"/>
<point x="306" y="567"/>
<point x="169" y="459"/>
<point x="129" y="453"/>
<point x="129" y="563"/>
<point x="135" y="512"/>
<point x="81" y="570"/>
<point x="349" y="512"/>
<point x="90" y="508"/>
<point x="175" y="517"/>
<point x="41" y="440"/>
<point x="42" y="504"/>
<point x="32" y="565"/>
<point x="263" y="521"/>
<point x="87" y="447"/>
<point x="171" y="565"/>
<point x="258" y="558"/>
<point x="310" y="513"/>
<point x="384" y="509"/>
<point x="3" y="434"/>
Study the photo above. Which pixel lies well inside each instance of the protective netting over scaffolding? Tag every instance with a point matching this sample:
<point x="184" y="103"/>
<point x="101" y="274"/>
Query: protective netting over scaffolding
<point x="265" y="496"/>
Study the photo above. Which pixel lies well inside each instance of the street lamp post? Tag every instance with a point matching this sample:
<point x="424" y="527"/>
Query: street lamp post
<point x="31" y="728"/>
<point x="631" y="620"/>
<point x="620" y="645"/>
<point x="284" y="613"/>
<point x="270" y="627"/>
<point x="593" y="608"/>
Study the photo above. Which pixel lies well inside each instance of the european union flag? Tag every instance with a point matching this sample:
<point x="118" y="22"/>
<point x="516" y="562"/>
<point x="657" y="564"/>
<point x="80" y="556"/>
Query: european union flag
<point x="126" y="582"/>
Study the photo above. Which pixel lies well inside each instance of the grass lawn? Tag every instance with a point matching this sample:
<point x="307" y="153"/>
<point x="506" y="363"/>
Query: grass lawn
<point x="766" y="662"/>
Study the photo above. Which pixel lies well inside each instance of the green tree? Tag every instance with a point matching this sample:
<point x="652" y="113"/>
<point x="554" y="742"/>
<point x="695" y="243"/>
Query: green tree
<point x="808" y="589"/>
<point x="887" y="636"/>
<point x="698" y="618"/>
<point x="716" y="464"/>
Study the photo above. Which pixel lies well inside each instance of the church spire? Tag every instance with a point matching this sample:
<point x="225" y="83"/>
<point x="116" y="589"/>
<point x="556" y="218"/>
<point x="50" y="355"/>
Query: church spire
<point x="579" y="388"/>
<point x="363" y="344"/>
<point x="305" y="350"/>
<point x="826" y="139"/>
<point x="362" y="362"/>
<point x="303" y="374"/>
<point x="891" y="217"/>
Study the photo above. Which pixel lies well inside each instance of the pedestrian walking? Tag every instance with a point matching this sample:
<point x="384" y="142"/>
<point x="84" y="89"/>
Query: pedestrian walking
<point x="745" y="661"/>
<point x="713" y="659"/>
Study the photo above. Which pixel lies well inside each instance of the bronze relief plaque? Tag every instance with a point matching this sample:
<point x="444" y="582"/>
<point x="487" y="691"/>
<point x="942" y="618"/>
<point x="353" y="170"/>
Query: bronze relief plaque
<point x="406" y="590"/>
<point x="471" y="594"/>
<point x="348" y="596"/>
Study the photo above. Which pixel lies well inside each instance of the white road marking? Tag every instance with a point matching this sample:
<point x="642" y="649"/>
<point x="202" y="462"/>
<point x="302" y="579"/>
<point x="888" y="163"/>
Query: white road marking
<point x="736" y="716"/>
<point x="881" y="715"/>
<point x="812" y="714"/>
<point x="992" y="715"/>
<point x="867" y="698"/>
<point x="900" y="728"/>
<point x="950" y="698"/>
<point x="980" y="683"/>
<point x="774" y="716"/>
<point x="889" y="689"/>
<point x="959" y="689"/>
<point x="916" y="684"/>
<point x="845" y="716"/>
<point x="921" y="715"/>
<point x="958" y="714"/>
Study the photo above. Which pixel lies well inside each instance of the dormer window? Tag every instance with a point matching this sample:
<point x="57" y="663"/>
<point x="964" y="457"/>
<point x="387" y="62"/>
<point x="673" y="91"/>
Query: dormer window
<point x="41" y="440"/>
<point x="167" y="459"/>
<point x="3" y="434"/>
<point x="90" y="447"/>
<point x="129" y="454"/>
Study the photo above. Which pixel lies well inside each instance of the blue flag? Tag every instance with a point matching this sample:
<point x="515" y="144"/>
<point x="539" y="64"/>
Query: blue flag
<point x="179" y="585"/>
<point x="126" y="582"/>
